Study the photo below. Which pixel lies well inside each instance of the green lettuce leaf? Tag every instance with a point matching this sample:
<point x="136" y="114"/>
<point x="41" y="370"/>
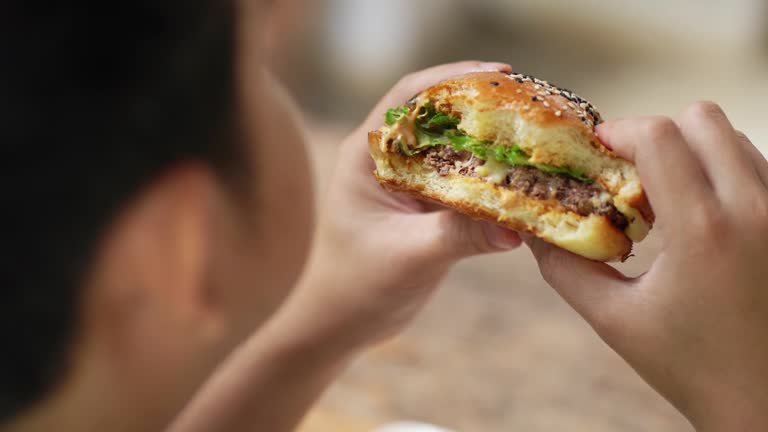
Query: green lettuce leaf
<point x="441" y="120"/>
<point x="514" y="155"/>
<point x="475" y="146"/>
<point x="395" y="114"/>
<point x="439" y="129"/>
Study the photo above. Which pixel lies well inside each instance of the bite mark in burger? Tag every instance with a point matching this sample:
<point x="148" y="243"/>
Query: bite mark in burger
<point x="520" y="152"/>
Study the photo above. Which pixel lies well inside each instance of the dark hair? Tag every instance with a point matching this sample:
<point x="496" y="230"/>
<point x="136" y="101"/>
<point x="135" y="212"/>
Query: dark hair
<point x="96" y="100"/>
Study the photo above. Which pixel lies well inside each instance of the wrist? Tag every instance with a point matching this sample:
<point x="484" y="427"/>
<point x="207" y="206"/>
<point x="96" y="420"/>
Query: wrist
<point x="312" y="323"/>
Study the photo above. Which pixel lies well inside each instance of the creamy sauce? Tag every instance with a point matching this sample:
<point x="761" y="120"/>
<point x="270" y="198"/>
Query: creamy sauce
<point x="402" y="131"/>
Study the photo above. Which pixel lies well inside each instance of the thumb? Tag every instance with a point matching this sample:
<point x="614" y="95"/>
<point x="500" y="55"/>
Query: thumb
<point x="592" y="288"/>
<point x="450" y="236"/>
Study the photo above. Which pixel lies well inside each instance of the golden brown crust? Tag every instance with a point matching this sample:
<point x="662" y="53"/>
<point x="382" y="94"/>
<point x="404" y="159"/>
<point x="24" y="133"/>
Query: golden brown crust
<point x="537" y="101"/>
<point x="497" y="90"/>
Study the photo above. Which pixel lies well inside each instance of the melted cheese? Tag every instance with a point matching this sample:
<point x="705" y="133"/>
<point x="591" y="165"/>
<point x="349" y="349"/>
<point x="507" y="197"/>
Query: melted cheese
<point x="601" y="199"/>
<point x="493" y="171"/>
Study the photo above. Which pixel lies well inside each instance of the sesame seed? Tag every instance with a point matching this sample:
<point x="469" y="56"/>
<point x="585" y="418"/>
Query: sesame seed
<point x="584" y="110"/>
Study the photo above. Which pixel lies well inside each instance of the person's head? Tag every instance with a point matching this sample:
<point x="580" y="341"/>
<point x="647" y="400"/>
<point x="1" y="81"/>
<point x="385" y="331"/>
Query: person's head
<point x="158" y="193"/>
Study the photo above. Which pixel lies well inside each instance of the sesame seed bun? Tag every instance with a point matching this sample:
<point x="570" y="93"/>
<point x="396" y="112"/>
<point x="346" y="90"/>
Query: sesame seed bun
<point x="554" y="127"/>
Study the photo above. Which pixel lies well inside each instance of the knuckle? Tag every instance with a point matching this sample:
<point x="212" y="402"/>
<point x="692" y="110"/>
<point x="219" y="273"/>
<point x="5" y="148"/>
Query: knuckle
<point x="661" y="129"/>
<point x="459" y="238"/>
<point x="706" y="219"/>
<point x="472" y="238"/>
<point x="659" y="132"/>
<point x="549" y="261"/>
<point x="478" y="243"/>
<point x="447" y="234"/>
<point x="743" y="138"/>
<point x="703" y="110"/>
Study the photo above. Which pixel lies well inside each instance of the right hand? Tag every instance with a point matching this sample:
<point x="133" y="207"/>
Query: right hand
<point x="695" y="326"/>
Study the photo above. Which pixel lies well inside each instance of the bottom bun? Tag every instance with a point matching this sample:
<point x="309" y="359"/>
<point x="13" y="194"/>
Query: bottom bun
<point x="592" y="236"/>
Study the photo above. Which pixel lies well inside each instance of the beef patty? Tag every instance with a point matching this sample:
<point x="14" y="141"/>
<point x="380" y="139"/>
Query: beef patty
<point x="576" y="196"/>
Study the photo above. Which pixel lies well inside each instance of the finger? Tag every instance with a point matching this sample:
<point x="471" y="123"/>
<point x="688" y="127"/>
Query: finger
<point x="593" y="289"/>
<point x="758" y="159"/>
<point x="433" y="206"/>
<point x="669" y="171"/>
<point x="712" y="138"/>
<point x="413" y="83"/>
<point x="448" y="235"/>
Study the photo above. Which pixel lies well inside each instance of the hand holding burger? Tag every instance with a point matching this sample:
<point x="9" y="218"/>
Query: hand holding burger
<point x="694" y="326"/>
<point x="517" y="151"/>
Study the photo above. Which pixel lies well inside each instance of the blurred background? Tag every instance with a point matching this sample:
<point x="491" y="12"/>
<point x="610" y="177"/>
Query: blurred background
<point x="497" y="350"/>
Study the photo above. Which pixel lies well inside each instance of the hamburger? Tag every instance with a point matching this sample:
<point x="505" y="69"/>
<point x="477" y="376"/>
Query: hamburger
<point x="518" y="151"/>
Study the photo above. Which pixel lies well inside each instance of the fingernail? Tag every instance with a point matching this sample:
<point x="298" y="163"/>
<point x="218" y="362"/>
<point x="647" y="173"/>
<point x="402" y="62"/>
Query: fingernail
<point x="495" y="66"/>
<point x="499" y="237"/>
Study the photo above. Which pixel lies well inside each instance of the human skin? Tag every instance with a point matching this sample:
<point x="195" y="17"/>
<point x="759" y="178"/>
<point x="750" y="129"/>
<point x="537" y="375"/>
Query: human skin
<point x="694" y="326"/>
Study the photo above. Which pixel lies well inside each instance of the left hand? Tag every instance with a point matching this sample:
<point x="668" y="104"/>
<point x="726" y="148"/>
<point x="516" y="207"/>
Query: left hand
<point x="378" y="256"/>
